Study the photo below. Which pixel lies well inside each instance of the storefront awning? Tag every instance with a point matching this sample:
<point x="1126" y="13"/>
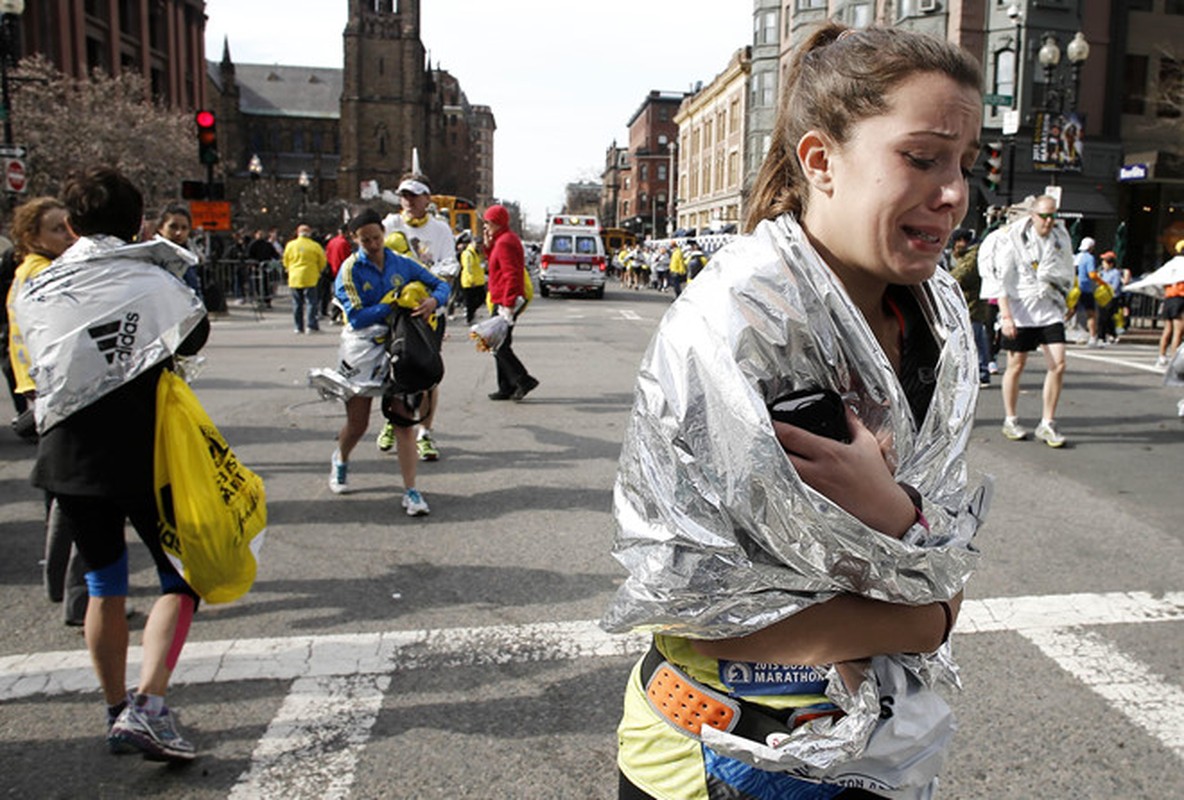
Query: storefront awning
<point x="1163" y="166"/>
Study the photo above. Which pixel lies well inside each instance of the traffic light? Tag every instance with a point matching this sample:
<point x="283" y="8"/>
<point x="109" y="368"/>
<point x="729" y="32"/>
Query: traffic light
<point x="994" y="151"/>
<point x="207" y="138"/>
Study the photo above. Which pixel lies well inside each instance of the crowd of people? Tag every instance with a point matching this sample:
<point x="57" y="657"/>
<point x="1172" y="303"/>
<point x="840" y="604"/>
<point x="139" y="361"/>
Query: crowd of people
<point x="661" y="266"/>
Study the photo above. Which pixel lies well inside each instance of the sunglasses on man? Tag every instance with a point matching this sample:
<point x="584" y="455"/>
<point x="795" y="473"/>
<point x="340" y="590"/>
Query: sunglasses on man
<point x="1046" y="215"/>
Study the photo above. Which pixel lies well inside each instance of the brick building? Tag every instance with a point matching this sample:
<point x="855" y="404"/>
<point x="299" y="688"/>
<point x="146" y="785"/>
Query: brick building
<point x="164" y="40"/>
<point x="649" y="181"/>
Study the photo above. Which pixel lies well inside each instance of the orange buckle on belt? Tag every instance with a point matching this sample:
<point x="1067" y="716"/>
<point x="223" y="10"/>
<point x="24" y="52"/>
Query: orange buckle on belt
<point x="687" y="705"/>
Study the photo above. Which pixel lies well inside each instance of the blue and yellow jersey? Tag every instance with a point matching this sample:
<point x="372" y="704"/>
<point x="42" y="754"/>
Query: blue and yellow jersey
<point x="361" y="285"/>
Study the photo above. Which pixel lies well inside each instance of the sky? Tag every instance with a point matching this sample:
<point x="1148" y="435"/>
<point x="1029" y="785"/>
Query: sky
<point x="562" y="79"/>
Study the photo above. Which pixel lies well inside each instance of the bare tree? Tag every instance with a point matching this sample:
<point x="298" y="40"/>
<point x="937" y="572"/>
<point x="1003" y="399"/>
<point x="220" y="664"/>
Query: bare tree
<point x="70" y="124"/>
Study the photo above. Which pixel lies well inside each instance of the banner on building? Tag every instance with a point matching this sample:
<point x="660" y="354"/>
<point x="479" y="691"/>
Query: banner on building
<point x="1058" y="141"/>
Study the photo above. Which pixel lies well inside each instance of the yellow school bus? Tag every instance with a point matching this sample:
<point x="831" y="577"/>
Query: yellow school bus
<point x="616" y="238"/>
<point x="459" y="213"/>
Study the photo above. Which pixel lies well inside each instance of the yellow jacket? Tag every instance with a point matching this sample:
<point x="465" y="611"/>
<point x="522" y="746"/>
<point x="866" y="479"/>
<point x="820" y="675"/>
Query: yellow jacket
<point x="678" y="265"/>
<point x="18" y="354"/>
<point x="472" y="267"/>
<point x="303" y="260"/>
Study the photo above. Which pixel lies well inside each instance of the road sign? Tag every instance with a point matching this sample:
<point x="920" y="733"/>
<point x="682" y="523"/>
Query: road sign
<point x="997" y="99"/>
<point x="1011" y="122"/>
<point x="13" y="151"/>
<point x="15" y="177"/>
<point x="210" y="215"/>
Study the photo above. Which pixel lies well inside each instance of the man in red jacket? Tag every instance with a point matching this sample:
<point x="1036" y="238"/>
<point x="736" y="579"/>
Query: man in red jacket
<point x="507" y="273"/>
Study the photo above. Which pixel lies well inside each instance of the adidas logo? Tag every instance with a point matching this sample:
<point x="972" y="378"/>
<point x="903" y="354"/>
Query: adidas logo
<point x="116" y="339"/>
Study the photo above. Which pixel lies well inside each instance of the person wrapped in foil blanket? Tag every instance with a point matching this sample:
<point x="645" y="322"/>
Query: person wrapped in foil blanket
<point x="721" y="537"/>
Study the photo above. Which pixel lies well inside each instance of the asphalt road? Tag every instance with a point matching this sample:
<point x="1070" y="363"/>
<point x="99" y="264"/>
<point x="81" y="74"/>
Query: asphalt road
<point x="456" y="656"/>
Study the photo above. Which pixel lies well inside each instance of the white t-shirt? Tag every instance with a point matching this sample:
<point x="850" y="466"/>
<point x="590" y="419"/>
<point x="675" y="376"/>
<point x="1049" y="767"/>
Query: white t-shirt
<point x="432" y="242"/>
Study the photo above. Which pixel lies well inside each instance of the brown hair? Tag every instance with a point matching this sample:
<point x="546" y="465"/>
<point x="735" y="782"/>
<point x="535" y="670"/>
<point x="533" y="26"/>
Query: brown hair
<point x="838" y="77"/>
<point x="26" y="222"/>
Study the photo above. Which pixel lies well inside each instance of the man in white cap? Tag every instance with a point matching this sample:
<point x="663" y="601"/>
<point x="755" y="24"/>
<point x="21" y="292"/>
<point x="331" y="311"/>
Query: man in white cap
<point x="1087" y="267"/>
<point x="1036" y="270"/>
<point x="432" y="245"/>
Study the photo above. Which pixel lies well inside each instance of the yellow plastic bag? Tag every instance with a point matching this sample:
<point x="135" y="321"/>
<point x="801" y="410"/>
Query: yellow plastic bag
<point x="1073" y="296"/>
<point x="1103" y="293"/>
<point x="212" y="509"/>
<point x="527" y="292"/>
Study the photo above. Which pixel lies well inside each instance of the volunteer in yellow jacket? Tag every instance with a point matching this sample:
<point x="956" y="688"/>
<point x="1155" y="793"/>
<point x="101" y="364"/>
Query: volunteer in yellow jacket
<point x="304" y="259"/>
<point x="472" y="276"/>
<point x="678" y="270"/>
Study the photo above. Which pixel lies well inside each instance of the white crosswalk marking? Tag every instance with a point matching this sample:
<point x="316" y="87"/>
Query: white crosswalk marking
<point x="339" y="680"/>
<point x="329" y="716"/>
<point x="1143" y="697"/>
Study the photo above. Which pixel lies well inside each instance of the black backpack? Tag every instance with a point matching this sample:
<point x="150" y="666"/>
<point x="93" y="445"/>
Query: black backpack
<point x="413" y="353"/>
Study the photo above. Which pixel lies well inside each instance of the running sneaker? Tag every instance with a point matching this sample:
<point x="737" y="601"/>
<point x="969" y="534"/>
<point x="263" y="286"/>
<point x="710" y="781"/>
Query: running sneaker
<point x="1013" y="431"/>
<point x="1047" y="432"/>
<point x="427" y="448"/>
<point x="993" y="368"/>
<point x="415" y="504"/>
<point x="115" y="746"/>
<point x="1180" y="408"/>
<point x="155" y="736"/>
<point x="386" y="437"/>
<point x="338" y="474"/>
<point x="1161" y="362"/>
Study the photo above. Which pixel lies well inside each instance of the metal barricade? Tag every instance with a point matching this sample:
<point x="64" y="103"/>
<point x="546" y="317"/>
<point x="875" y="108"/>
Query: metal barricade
<point x="1145" y="310"/>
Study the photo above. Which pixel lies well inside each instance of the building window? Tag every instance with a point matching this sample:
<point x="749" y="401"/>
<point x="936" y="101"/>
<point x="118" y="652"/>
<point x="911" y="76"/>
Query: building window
<point x="806" y="5"/>
<point x="1170" y="95"/>
<point x="662" y="140"/>
<point x="764" y="28"/>
<point x="661" y="172"/>
<point x="644" y="175"/>
<point x="733" y="168"/>
<point x="762" y="90"/>
<point x="734" y="115"/>
<point x="624" y="208"/>
<point x="1005" y="72"/>
<point x="298" y="142"/>
<point x="1134" y="85"/>
<point x="663" y="114"/>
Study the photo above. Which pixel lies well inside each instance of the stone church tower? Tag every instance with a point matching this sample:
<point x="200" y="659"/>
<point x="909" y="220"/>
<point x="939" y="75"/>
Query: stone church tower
<point x="387" y="98"/>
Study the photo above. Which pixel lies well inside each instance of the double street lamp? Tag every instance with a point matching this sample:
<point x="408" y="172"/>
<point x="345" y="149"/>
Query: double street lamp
<point x="1056" y="89"/>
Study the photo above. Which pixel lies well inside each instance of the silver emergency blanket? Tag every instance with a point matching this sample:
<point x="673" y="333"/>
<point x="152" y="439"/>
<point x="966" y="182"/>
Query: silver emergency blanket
<point x="362" y="365"/>
<point x="101" y="314"/>
<point x="719" y="535"/>
<point x="1174" y="375"/>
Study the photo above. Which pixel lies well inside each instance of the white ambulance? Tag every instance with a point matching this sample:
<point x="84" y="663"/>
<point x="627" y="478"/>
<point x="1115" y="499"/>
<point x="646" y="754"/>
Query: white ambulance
<point x="573" y="256"/>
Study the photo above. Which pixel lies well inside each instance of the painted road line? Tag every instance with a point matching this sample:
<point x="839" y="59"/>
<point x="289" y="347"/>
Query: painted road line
<point x="632" y="316"/>
<point x="1121" y="362"/>
<point x="296" y="657"/>
<point x="1143" y="697"/>
<point x="313" y="744"/>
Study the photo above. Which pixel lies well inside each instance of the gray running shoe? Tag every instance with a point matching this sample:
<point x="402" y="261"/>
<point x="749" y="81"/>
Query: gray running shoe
<point x="1012" y="430"/>
<point x="154" y="736"/>
<point x="1047" y="432"/>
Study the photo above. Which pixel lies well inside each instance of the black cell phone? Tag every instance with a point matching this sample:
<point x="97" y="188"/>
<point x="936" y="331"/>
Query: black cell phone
<point x="819" y="411"/>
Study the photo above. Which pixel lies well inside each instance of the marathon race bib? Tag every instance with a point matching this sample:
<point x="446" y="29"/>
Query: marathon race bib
<point x="761" y="678"/>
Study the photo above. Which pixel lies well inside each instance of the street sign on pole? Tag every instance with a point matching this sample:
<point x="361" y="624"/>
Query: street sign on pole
<point x="210" y="215"/>
<point x="13" y="151"/>
<point x="15" y="178"/>
<point x="997" y="99"/>
<point x="1011" y="122"/>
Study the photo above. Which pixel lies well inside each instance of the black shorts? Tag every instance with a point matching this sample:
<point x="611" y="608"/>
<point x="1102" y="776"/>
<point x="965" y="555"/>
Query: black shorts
<point x="96" y="525"/>
<point x="1028" y="339"/>
<point x="1087" y="302"/>
<point x="1173" y="307"/>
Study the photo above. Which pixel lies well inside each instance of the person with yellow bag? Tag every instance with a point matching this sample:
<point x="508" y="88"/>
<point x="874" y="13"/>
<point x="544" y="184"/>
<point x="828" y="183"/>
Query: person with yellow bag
<point x="102" y="324"/>
<point x="368" y="288"/>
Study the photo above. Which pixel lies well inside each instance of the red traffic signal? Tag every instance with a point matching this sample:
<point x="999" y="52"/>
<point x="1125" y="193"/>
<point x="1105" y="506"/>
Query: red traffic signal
<point x="994" y="153"/>
<point x="207" y="137"/>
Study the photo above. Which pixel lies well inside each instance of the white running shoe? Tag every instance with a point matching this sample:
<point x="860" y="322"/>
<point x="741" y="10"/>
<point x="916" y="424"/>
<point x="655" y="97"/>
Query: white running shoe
<point x="338" y="474"/>
<point x="415" y="504"/>
<point x="1047" y="432"/>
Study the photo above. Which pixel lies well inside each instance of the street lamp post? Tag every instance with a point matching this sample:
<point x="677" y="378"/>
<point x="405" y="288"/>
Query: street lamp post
<point x="10" y="11"/>
<point x="672" y="148"/>
<point x="304" y="184"/>
<point x="1057" y="90"/>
